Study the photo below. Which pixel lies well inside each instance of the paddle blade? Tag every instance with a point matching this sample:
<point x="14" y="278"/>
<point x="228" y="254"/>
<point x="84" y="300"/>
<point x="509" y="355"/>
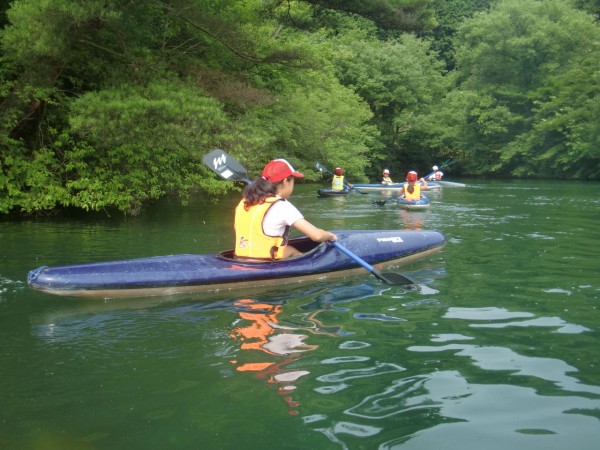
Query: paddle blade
<point x="394" y="278"/>
<point x="225" y="166"/>
<point x="383" y="202"/>
<point x="321" y="168"/>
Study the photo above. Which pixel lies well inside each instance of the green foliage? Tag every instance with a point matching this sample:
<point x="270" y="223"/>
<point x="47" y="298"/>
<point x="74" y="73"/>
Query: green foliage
<point x="125" y="146"/>
<point x="591" y="6"/>
<point x="401" y="15"/>
<point x="320" y="120"/>
<point x="566" y="136"/>
<point x="450" y="14"/>
<point x="30" y="183"/>
<point x="111" y="104"/>
<point x="402" y="81"/>
<point x="521" y="57"/>
<point x="146" y="142"/>
<point x="154" y="95"/>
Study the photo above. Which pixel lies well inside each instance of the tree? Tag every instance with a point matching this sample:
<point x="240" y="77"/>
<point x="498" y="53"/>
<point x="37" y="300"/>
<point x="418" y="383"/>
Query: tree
<point x="449" y="15"/>
<point x="510" y="58"/>
<point x="112" y="103"/>
<point x="399" y="15"/>
<point x="402" y="81"/>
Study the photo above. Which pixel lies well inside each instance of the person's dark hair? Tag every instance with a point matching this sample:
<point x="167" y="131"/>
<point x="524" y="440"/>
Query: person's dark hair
<point x="255" y="193"/>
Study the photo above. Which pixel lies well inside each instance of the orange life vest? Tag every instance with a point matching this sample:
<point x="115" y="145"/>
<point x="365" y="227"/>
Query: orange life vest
<point x="250" y="238"/>
<point x="416" y="195"/>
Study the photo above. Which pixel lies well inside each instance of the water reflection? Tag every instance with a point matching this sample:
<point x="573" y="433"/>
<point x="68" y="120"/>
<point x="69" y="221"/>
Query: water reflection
<point x="412" y="220"/>
<point x="259" y="329"/>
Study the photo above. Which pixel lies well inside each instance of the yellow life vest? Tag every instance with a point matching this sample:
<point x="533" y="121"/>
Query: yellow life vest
<point x="250" y="238"/>
<point x="416" y="195"/>
<point x="337" y="184"/>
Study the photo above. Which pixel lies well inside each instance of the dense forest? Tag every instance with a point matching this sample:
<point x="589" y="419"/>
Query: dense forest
<point x="110" y="104"/>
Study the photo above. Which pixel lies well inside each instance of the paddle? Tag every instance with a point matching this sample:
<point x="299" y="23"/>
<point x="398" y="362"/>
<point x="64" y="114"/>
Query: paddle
<point x="322" y="169"/>
<point x="445" y="164"/>
<point x="225" y="166"/>
<point x="228" y="168"/>
<point x="389" y="278"/>
<point x="383" y="202"/>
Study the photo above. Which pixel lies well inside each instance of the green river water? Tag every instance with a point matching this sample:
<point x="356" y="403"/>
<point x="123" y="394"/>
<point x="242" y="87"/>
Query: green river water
<point x="498" y="347"/>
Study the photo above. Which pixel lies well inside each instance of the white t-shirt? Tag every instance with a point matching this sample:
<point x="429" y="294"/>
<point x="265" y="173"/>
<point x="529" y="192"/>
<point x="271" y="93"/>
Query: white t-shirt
<point x="280" y="215"/>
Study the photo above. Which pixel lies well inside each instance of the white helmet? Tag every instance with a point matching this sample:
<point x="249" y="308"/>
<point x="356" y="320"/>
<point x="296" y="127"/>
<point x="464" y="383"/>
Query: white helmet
<point x="435" y="167"/>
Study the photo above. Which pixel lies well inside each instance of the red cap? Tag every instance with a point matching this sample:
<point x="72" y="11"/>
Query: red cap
<point x="411" y="176"/>
<point x="338" y="171"/>
<point x="278" y="170"/>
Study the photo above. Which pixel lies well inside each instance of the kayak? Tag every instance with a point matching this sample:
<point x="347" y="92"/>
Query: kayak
<point x="416" y="205"/>
<point x="332" y="192"/>
<point x="388" y="187"/>
<point x="166" y="275"/>
<point x="378" y="186"/>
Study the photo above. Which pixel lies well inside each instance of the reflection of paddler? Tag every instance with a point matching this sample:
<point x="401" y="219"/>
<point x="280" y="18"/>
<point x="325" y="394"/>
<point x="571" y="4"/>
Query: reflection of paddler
<point x="261" y="318"/>
<point x="411" y="221"/>
<point x="262" y="331"/>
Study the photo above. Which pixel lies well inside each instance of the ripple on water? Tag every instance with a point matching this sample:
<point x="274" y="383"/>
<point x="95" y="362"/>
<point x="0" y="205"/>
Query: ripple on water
<point x="349" y="374"/>
<point x="380" y="317"/>
<point x="351" y="345"/>
<point x="487" y="414"/>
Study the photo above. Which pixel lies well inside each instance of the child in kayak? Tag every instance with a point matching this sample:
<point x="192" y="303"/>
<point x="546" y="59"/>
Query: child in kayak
<point x="264" y="216"/>
<point x="338" y="183"/>
<point x="411" y="190"/>
<point x="386" y="177"/>
<point x="436" y="175"/>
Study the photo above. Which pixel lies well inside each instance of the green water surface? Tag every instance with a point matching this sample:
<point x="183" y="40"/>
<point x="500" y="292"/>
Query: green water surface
<point x="496" y="348"/>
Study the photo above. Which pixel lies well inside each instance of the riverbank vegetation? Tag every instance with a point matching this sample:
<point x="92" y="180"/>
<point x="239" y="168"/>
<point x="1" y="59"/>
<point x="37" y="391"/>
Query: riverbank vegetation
<point x="109" y="104"/>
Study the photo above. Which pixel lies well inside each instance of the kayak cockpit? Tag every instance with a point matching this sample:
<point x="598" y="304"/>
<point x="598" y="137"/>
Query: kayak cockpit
<point x="306" y="245"/>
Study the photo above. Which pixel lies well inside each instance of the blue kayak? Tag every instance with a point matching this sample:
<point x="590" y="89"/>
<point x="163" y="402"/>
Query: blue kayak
<point x="415" y="205"/>
<point x="165" y="275"/>
<point x="390" y="187"/>
<point x="378" y="186"/>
